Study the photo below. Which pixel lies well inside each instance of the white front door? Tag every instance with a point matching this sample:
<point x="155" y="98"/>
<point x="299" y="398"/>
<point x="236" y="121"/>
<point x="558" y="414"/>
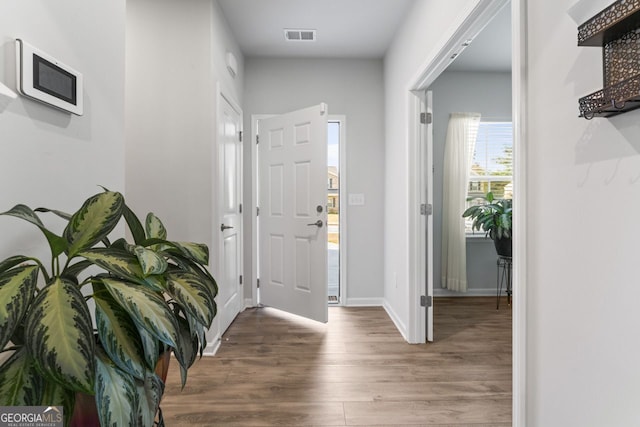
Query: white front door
<point x="293" y="219"/>
<point x="230" y="213"/>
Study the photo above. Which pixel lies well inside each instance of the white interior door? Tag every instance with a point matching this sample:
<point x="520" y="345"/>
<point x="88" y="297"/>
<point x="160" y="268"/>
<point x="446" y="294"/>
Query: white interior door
<point x="230" y="214"/>
<point x="292" y="153"/>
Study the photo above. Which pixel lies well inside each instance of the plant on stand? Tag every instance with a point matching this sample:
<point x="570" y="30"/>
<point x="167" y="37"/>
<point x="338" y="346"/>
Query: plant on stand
<point x="493" y="216"/>
<point x="151" y="297"/>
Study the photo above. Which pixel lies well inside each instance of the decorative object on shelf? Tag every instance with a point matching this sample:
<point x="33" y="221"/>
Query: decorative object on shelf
<point x="151" y="298"/>
<point x="494" y="218"/>
<point x="617" y="30"/>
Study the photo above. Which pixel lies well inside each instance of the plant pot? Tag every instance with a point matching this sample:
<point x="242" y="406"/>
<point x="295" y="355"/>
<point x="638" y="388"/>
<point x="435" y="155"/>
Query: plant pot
<point x="503" y="246"/>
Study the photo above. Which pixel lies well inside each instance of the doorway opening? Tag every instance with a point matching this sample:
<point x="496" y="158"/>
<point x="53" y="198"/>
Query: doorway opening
<point x="333" y="211"/>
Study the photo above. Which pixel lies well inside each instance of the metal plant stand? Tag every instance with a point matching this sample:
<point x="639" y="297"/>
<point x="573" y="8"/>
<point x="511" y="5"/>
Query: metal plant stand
<point x="504" y="264"/>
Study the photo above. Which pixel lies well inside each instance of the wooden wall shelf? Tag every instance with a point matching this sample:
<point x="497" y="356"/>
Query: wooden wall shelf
<point x="617" y="30"/>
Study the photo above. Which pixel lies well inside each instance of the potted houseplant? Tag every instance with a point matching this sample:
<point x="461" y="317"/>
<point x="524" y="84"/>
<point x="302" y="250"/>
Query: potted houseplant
<point x="494" y="217"/>
<point x="151" y="297"/>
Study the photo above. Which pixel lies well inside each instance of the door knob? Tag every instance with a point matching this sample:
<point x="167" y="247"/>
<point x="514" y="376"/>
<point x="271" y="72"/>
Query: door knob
<point x="225" y="227"/>
<point x="318" y="223"/>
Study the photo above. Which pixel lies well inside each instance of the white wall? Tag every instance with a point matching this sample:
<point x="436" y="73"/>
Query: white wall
<point x="49" y="157"/>
<point x="583" y="197"/>
<point x="175" y="59"/>
<point x="462" y="91"/>
<point x="426" y="29"/>
<point x="353" y="88"/>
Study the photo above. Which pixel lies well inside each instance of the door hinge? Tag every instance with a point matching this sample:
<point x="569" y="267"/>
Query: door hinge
<point x="258" y="283"/>
<point x="426" y="301"/>
<point x="257" y="211"/>
<point x="257" y="139"/>
<point x="426" y="118"/>
<point x="240" y="208"/>
<point x="426" y="209"/>
<point x="240" y="136"/>
<point x="241" y="279"/>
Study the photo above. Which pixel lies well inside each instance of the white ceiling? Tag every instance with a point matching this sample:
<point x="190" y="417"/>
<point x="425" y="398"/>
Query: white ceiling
<point x="349" y="29"/>
<point x="345" y="28"/>
<point x="491" y="49"/>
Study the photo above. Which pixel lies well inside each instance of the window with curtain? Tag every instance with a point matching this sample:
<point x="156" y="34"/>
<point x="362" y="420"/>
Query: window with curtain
<point x="492" y="165"/>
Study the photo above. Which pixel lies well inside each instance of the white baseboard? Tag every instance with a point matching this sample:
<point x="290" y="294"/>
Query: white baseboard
<point x="212" y="347"/>
<point x="396" y="320"/>
<point x="248" y="303"/>
<point x="364" y="302"/>
<point x="483" y="292"/>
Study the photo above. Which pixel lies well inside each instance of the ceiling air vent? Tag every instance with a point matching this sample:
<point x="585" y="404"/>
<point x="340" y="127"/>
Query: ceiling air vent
<point x="300" y="35"/>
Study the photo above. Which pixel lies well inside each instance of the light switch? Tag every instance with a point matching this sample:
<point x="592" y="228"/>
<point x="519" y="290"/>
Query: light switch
<point x="356" y="199"/>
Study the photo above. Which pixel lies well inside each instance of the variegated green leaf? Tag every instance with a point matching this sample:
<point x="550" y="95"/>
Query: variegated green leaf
<point x="71" y="272"/>
<point x="194" y="295"/>
<point x="189" y="264"/>
<point x="57" y="244"/>
<point x="54" y="394"/>
<point x="151" y="347"/>
<point x="116" y="394"/>
<point x="150" y="261"/>
<point x="93" y="221"/>
<point x="154" y="227"/>
<point x="198" y="330"/>
<point x="198" y="252"/>
<point x="12" y="262"/>
<point x="119" y="335"/>
<point x="135" y="226"/>
<point x="117" y="262"/>
<point x="59" y="336"/>
<point x="20" y="383"/>
<point x="190" y="346"/>
<point x="61" y="214"/>
<point x="149" y="310"/>
<point x="17" y="287"/>
<point x="149" y="394"/>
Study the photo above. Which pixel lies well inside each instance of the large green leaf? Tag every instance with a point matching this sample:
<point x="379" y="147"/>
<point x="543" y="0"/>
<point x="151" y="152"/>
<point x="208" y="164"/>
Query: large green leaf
<point x="189" y="264"/>
<point x="198" y="252"/>
<point x="150" y="261"/>
<point x="119" y="335"/>
<point x="149" y="310"/>
<point x="193" y="294"/>
<point x="117" y="262"/>
<point x="151" y="347"/>
<point x="54" y="394"/>
<point x="93" y="221"/>
<point x="17" y="287"/>
<point x="60" y="337"/>
<point x="13" y="261"/>
<point x="20" y="383"/>
<point x="154" y="227"/>
<point x="135" y="226"/>
<point x="57" y="244"/>
<point x="116" y="394"/>
<point x="190" y="346"/>
<point x="149" y="394"/>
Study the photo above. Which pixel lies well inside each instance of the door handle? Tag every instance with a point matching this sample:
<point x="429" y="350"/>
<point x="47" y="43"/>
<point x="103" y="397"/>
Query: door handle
<point x="225" y="227"/>
<point x="318" y="223"/>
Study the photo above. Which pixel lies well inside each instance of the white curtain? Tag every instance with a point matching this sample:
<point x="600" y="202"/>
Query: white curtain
<point x="458" y="155"/>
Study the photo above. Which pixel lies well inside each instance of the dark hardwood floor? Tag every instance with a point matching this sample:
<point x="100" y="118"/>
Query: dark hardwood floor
<point x="274" y="369"/>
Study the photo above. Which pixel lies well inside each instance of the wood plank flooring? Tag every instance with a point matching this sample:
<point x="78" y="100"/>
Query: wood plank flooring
<point x="274" y="369"/>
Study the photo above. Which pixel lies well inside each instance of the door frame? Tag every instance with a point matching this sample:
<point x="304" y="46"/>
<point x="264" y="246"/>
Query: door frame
<point x="340" y="118"/>
<point x="475" y="22"/>
<point x="252" y="300"/>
